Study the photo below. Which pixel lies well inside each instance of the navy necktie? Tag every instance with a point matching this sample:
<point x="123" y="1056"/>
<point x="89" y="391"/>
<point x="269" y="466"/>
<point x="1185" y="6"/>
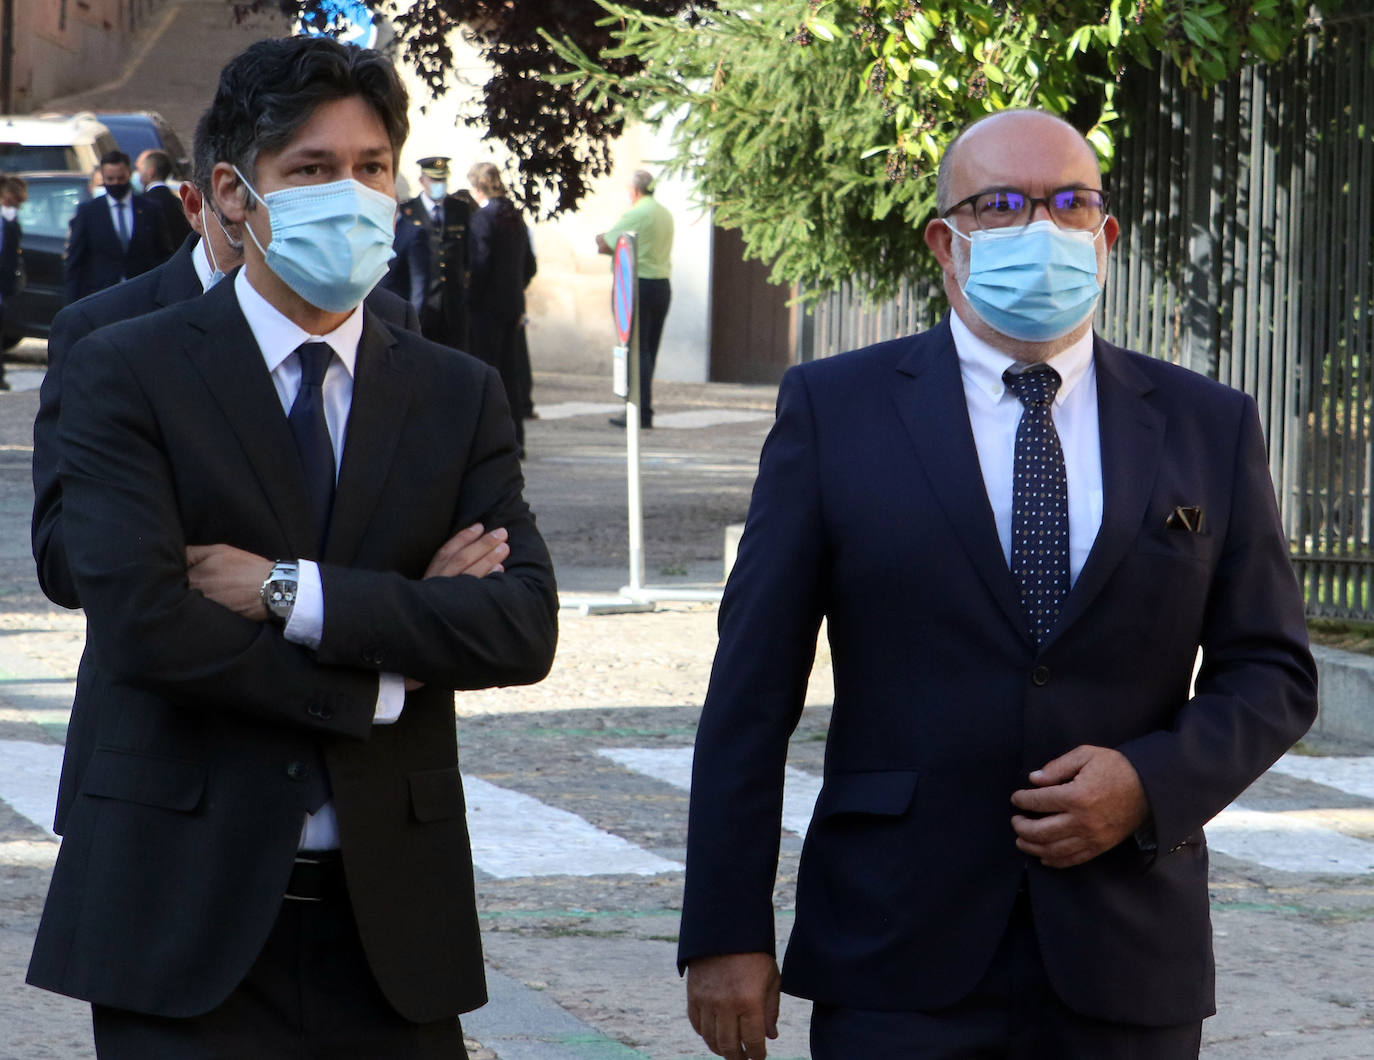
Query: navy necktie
<point x="311" y="431"/>
<point x="1040" y="502"/>
<point x="123" y="228"/>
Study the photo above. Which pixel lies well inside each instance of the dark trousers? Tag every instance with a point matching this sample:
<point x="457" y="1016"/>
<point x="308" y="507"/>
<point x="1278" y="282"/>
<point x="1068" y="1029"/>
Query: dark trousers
<point x="309" y="996"/>
<point x="1013" y="1014"/>
<point x="654" y="296"/>
<point x="493" y="340"/>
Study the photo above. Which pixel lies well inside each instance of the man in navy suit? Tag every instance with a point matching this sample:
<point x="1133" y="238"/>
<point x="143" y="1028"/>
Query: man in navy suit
<point x="116" y="235"/>
<point x="1019" y="535"/>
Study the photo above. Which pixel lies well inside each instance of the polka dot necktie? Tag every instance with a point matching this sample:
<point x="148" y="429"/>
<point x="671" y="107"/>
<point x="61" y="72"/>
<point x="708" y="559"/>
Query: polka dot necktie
<point x="1040" y="502"/>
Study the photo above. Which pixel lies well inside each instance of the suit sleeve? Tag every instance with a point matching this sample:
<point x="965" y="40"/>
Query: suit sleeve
<point x="458" y="632"/>
<point x="49" y="547"/>
<point x="769" y="619"/>
<point x="1255" y="693"/>
<point x="417" y="268"/>
<point x="78" y="249"/>
<point x="153" y="631"/>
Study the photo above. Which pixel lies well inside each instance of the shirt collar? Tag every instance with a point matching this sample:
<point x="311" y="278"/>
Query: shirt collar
<point x="200" y="258"/>
<point x="982" y="364"/>
<point x="430" y="204"/>
<point x="278" y="337"/>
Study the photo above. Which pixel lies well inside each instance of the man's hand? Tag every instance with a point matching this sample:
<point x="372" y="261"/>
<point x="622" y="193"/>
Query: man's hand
<point x="1091" y="799"/>
<point x="732" y="1001"/>
<point x="602" y="247"/>
<point x="470" y="552"/>
<point x="230" y="577"/>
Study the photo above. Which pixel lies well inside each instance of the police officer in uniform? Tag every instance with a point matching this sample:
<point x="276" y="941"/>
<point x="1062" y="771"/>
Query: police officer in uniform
<point x="430" y="266"/>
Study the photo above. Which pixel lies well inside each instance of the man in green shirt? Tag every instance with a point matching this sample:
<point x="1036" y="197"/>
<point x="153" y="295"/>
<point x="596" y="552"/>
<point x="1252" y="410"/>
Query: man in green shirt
<point x="652" y="226"/>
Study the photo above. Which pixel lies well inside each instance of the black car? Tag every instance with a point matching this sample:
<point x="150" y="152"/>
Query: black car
<point x="53" y="199"/>
<point x="142" y="130"/>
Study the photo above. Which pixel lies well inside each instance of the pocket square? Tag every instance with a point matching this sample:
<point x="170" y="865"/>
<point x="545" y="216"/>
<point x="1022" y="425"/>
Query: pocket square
<point x="1186" y="517"/>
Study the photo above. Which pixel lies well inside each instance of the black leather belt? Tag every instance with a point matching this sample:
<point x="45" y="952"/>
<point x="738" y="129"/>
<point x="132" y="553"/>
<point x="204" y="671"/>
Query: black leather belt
<point x="317" y="876"/>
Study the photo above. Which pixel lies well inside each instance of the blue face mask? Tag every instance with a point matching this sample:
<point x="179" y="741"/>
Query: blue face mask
<point x="330" y="243"/>
<point x="1035" y="283"/>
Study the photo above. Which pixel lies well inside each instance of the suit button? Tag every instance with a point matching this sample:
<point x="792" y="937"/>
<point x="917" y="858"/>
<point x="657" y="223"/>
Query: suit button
<point x="1040" y="676"/>
<point x="297" y="771"/>
<point x="372" y="655"/>
<point x="319" y="710"/>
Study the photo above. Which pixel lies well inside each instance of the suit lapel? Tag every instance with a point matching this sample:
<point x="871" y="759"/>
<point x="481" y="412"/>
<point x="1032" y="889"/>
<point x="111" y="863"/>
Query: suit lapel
<point x="1132" y="438"/>
<point x="381" y="399"/>
<point x="930" y="401"/>
<point x="223" y="349"/>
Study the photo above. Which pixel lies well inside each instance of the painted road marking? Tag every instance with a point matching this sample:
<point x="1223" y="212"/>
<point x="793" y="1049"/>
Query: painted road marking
<point x="517" y="835"/>
<point x="698" y="418"/>
<point x="564" y="410"/>
<point x="673" y="765"/>
<point x="1286" y="841"/>
<point x="1354" y="774"/>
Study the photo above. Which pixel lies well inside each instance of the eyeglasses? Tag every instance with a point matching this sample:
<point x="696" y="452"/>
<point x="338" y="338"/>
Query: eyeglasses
<point x="1084" y="209"/>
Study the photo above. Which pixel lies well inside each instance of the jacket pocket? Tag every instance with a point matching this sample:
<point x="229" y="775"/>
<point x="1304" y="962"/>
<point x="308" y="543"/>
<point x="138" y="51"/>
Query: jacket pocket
<point x="881" y="793"/>
<point x="437" y="794"/>
<point x="150" y="780"/>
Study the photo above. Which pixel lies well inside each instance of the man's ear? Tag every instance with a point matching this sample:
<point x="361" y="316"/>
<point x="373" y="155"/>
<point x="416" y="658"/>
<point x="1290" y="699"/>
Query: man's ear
<point x="230" y="194"/>
<point x="191" y="202"/>
<point x="938" y="238"/>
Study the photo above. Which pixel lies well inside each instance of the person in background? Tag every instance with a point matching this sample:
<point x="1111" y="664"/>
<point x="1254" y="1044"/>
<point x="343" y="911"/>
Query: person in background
<point x="115" y="236"/>
<point x="652" y="226"/>
<point x="500" y="266"/>
<point x="14" y="192"/>
<point x="152" y="170"/>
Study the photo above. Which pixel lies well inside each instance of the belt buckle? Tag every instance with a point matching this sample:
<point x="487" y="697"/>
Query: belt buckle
<point x="288" y="896"/>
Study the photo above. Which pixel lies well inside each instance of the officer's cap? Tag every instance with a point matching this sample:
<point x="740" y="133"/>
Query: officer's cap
<point x="434" y="166"/>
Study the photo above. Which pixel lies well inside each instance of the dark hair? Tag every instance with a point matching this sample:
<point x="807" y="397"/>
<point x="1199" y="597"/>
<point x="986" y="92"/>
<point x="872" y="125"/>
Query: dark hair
<point x="115" y="158"/>
<point x="271" y="88"/>
<point x="161" y="162"/>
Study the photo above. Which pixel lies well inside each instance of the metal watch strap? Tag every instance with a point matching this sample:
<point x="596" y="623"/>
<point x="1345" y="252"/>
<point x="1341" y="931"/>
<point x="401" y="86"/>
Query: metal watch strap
<point x="278" y="592"/>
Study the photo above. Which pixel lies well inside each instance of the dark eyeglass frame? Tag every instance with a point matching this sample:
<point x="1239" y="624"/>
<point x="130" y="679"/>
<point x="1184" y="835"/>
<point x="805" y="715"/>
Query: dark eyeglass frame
<point x="1033" y="201"/>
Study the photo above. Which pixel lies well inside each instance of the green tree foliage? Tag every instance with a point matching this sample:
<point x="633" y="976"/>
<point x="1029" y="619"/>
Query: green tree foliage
<point x="559" y="138"/>
<point x="816" y="126"/>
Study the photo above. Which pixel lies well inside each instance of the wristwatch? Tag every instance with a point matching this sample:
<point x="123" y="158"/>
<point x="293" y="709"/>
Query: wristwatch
<point x="279" y="590"/>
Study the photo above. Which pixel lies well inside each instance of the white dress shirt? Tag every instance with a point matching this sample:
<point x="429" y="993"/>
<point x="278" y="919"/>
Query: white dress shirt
<point x="200" y="258"/>
<point x="994" y="413"/>
<point x="278" y="338"/>
<point x="126" y="206"/>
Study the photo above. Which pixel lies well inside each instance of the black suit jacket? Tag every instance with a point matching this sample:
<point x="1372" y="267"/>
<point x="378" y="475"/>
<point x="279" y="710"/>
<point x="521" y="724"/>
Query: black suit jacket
<point x="95" y="258"/>
<point x="870" y="510"/>
<point x="500" y="261"/>
<point x="173" y="216"/>
<point x="173" y="281"/>
<point x="182" y="796"/>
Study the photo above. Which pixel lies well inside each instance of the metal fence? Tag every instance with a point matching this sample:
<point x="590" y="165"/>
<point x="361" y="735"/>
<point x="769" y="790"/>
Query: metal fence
<point x="1247" y="254"/>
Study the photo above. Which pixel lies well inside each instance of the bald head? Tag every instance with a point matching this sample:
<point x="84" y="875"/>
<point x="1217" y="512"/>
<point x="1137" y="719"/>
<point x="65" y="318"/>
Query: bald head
<point x="1011" y="138"/>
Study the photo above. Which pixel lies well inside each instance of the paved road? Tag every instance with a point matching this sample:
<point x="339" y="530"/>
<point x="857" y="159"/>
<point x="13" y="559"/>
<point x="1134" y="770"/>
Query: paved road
<point x="577" y="787"/>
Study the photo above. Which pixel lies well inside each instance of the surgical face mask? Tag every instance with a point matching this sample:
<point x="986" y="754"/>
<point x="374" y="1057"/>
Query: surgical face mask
<point x="437" y="190"/>
<point x="9" y="213"/>
<point x="216" y="273"/>
<point x="330" y="243"/>
<point x="1036" y="283"/>
<point x="137" y="182"/>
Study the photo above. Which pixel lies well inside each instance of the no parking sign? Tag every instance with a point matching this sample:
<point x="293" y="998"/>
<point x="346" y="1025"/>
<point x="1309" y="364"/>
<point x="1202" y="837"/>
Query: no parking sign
<point x="624" y="302"/>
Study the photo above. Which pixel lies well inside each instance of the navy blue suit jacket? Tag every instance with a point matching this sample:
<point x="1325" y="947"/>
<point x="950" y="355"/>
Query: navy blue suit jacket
<point x="870" y="511"/>
<point x="95" y="258"/>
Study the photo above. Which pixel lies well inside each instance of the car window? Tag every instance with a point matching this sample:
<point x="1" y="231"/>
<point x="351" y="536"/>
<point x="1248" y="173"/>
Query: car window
<point x="20" y="158"/>
<point x="134" y="135"/>
<point x="51" y="206"/>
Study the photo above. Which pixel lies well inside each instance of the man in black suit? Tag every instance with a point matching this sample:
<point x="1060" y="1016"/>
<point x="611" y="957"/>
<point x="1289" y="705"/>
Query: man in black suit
<point x="216" y="248"/>
<point x="154" y="168"/>
<point x="500" y="266"/>
<point x="114" y="236"/>
<point x="1020" y="536"/>
<point x="264" y="842"/>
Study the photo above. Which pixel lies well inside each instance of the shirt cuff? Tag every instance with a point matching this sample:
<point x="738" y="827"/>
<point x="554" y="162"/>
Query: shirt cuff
<point x="306" y="624"/>
<point x="306" y="628"/>
<point x="391" y="697"/>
